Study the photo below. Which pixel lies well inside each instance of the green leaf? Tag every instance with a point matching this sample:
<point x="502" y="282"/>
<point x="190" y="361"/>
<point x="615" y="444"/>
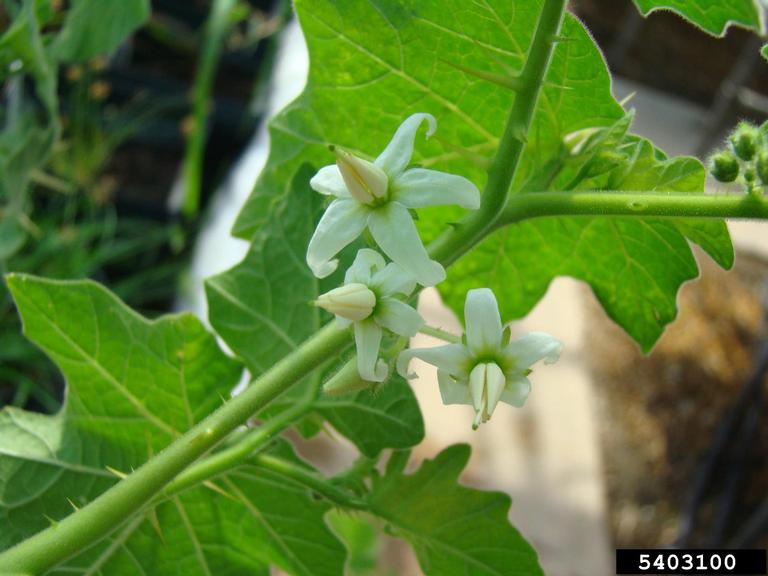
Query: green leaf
<point x="637" y="283"/>
<point x="12" y="236"/>
<point x="713" y="16"/>
<point x="23" y="148"/>
<point x="133" y="386"/>
<point x="95" y="28"/>
<point x="288" y="520"/>
<point x="453" y="529"/>
<point x="386" y="417"/>
<point x="27" y="137"/>
<point x="362" y="542"/>
<point x="364" y="81"/>
<point x="22" y="52"/>
<point x="26" y="140"/>
<point x="262" y="309"/>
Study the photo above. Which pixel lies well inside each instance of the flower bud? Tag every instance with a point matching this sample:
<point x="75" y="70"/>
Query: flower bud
<point x="365" y="181"/>
<point x="744" y="140"/>
<point x="352" y="301"/>
<point x="724" y="167"/>
<point x="603" y="162"/>
<point x="761" y="165"/>
<point x="575" y="142"/>
<point x="486" y="384"/>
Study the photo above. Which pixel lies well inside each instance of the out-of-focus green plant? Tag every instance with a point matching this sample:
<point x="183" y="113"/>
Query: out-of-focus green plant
<point x="70" y="230"/>
<point x="39" y="39"/>
<point x="55" y="212"/>
<point x="150" y="468"/>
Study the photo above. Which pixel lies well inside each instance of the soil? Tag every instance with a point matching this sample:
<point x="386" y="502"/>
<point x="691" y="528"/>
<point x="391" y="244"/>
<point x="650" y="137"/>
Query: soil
<point x="659" y="413"/>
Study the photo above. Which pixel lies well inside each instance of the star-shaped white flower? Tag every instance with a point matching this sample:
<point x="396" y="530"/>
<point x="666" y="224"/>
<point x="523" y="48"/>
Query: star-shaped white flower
<point x="377" y="195"/>
<point x="372" y="299"/>
<point x="485" y="370"/>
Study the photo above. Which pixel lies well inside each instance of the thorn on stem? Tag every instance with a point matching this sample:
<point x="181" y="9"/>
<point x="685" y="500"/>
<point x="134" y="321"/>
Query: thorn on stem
<point x="116" y="472"/>
<point x="519" y="134"/>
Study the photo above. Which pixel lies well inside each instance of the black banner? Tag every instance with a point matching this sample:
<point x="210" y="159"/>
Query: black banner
<point x="691" y="562"/>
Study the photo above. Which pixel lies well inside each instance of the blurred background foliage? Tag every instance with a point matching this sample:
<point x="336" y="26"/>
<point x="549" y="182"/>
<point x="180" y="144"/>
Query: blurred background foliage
<point x="118" y="118"/>
<point x="106" y="109"/>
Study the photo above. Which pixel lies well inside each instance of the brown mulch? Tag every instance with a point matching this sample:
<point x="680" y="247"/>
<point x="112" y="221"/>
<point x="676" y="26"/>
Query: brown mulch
<point x="659" y="412"/>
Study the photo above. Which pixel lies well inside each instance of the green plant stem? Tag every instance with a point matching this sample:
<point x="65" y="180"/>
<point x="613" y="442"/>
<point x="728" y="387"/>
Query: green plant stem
<point x="441" y="334"/>
<point x="228" y="458"/>
<point x="310" y="480"/>
<point x="92" y="522"/>
<point x="257" y="438"/>
<point x="448" y="247"/>
<point x="529" y="205"/>
<point x="217" y="27"/>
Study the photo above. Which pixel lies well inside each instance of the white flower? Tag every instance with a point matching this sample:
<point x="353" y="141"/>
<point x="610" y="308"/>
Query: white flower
<point x="377" y="195"/>
<point x="485" y="370"/>
<point x="371" y="299"/>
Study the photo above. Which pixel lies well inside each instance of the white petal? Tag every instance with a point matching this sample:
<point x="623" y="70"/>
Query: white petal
<point x="451" y="358"/>
<point x="477" y="387"/>
<point x="394" y="231"/>
<point x="516" y="391"/>
<point x="342" y="222"/>
<point x="397" y="154"/>
<point x="452" y="391"/>
<point x="328" y="181"/>
<point x="368" y="340"/>
<point x="393" y="280"/>
<point x="483" y="323"/>
<point x="398" y="317"/>
<point x="366" y="263"/>
<point x="532" y="347"/>
<point x="495" y="382"/>
<point x="419" y="187"/>
<point x="342" y="323"/>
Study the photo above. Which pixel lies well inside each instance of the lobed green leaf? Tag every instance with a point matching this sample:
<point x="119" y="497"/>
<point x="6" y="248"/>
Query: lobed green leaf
<point x="637" y="283"/>
<point x="387" y="417"/>
<point x="713" y="16"/>
<point x="96" y="28"/>
<point x="412" y="56"/>
<point x="132" y="387"/>
<point x="454" y="530"/>
<point x="262" y="308"/>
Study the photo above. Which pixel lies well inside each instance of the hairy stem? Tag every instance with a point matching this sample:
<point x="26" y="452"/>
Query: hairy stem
<point x="310" y="480"/>
<point x="230" y="457"/>
<point x="92" y="522"/>
<point x="440" y="334"/>
<point x="619" y="203"/>
<point x="257" y="438"/>
<point x="450" y="246"/>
